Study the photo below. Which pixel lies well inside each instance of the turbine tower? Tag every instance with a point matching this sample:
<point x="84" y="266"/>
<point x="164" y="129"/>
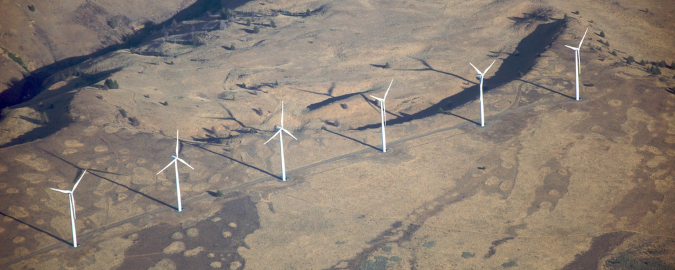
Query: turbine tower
<point x="481" y="75"/>
<point x="281" y="142"/>
<point x="71" y="201"/>
<point x="577" y="63"/>
<point x="176" y="158"/>
<point x="383" y="116"/>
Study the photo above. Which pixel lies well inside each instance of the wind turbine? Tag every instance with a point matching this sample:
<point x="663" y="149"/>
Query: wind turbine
<point x="281" y="142"/>
<point x="71" y="200"/>
<point x="481" y="75"/>
<point x="180" y="208"/>
<point x="383" y="117"/>
<point x="577" y="62"/>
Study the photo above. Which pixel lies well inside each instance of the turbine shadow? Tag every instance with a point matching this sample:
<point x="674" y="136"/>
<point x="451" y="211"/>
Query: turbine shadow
<point x="430" y="68"/>
<point x="94" y="173"/>
<point x="545" y="88"/>
<point x="36" y="228"/>
<point x="462" y="117"/>
<point x="136" y="191"/>
<point x="331" y="100"/>
<point x="234" y="160"/>
<point x="350" y="138"/>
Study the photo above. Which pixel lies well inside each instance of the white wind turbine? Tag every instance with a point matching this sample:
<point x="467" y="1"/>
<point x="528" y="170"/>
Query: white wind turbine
<point x="383" y="117"/>
<point x="577" y="62"/>
<point x="281" y="142"/>
<point x="176" y="158"/>
<point x="71" y="200"/>
<point x="481" y="75"/>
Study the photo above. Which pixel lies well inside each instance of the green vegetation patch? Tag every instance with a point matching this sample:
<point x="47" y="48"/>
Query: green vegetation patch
<point x="467" y="255"/>
<point x="16" y="59"/>
<point x="429" y="244"/>
<point x="510" y="263"/>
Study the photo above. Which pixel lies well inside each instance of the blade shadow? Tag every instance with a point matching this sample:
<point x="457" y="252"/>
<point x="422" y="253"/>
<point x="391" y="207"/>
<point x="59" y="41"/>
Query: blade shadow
<point x="79" y="169"/>
<point x="234" y="160"/>
<point x="350" y="138"/>
<point x="376" y="107"/>
<point x="36" y="228"/>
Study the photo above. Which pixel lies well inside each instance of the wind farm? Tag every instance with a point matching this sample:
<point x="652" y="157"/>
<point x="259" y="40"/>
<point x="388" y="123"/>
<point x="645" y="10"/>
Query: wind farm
<point x="541" y="181"/>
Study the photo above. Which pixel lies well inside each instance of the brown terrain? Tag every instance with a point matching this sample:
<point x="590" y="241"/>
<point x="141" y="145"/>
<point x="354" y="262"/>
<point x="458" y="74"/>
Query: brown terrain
<point x="548" y="183"/>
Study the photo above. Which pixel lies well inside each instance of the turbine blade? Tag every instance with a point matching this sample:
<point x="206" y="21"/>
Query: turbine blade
<point x="282" y="114"/>
<point x="573" y="48"/>
<point x="582" y="39"/>
<point x="275" y="134"/>
<point x="493" y="62"/>
<point x="474" y="67"/>
<point x="177" y="143"/>
<point x="385" y="93"/>
<point x="167" y="166"/>
<point x="61" y="190"/>
<point x="185" y="163"/>
<point x="288" y="133"/>
<point x="78" y="181"/>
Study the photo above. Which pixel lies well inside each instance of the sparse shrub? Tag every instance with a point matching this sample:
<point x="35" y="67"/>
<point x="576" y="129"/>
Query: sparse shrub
<point x="662" y="64"/>
<point x="642" y="62"/>
<point x="111" y="84"/>
<point x="565" y="17"/>
<point x="242" y="85"/>
<point x="672" y="65"/>
<point x="134" y="121"/>
<point x="232" y="47"/>
<point x="323" y="128"/>
<point x="607" y="43"/>
<point x="274" y="25"/>
<point x="276" y="83"/>
<point x="248" y="22"/>
<point x="614" y="53"/>
<point x="31" y="8"/>
<point x="654" y="70"/>
<point x="196" y="40"/>
<point x="575" y="12"/>
<point x="386" y="65"/>
<point x="219" y="193"/>
<point x="165" y="103"/>
<point x="630" y="60"/>
<point x="256" y="29"/>
<point x="307" y="13"/>
<point x="602" y="34"/>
